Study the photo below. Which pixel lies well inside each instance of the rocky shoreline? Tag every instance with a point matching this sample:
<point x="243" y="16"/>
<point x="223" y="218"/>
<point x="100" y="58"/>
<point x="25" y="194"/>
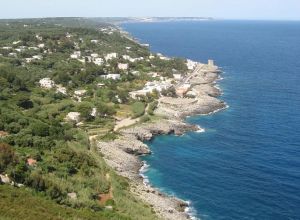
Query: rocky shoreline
<point x="123" y="154"/>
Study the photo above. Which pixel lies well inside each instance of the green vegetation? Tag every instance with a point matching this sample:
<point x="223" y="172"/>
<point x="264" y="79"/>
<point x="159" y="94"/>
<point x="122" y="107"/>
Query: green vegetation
<point x="43" y="145"/>
<point x="151" y="107"/>
<point x="145" y="118"/>
<point x="19" y="203"/>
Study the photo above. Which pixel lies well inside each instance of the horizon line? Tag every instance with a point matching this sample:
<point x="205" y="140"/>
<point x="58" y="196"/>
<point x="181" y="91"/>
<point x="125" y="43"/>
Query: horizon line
<point x="145" y="17"/>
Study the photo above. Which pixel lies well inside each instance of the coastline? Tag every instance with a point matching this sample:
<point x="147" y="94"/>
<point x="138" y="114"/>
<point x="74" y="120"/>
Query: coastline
<point x="123" y="154"/>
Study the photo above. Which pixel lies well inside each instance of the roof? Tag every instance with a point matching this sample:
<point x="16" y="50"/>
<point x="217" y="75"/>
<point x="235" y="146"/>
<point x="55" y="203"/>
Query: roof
<point x="31" y="161"/>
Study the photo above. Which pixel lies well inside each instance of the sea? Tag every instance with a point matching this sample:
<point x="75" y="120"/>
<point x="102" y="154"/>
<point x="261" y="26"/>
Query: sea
<point x="245" y="164"/>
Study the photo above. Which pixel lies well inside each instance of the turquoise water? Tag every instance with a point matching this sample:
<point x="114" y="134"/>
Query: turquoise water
<point x="246" y="165"/>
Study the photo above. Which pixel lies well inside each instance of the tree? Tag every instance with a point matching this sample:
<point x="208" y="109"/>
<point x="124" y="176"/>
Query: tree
<point x="40" y="129"/>
<point x="37" y="181"/>
<point x="7" y="156"/>
<point x="13" y="127"/>
<point x="104" y="109"/>
<point x="152" y="106"/>
<point x="3" y="83"/>
<point x="85" y="110"/>
<point x="23" y="100"/>
<point x="62" y="78"/>
<point x="18" y="173"/>
<point x="170" y="92"/>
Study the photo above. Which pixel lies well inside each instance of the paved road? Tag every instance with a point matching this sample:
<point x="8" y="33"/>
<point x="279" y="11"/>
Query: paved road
<point x="186" y="79"/>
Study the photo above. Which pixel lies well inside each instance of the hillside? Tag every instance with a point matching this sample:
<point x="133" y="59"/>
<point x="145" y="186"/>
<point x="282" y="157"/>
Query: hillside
<point x="63" y="81"/>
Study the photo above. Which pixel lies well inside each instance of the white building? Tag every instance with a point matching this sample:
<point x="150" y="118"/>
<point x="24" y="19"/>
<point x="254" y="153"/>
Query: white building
<point x="39" y="37"/>
<point x="37" y="57"/>
<point x="153" y="74"/>
<point x="111" y="76"/>
<point x="68" y="35"/>
<point x="19" y="50"/>
<point x="94" y="112"/>
<point x="94" y="55"/>
<point x="81" y="60"/>
<point x="41" y="45"/>
<point x="150" y="87"/>
<point x="126" y="57"/>
<point x="211" y="63"/>
<point x="47" y="83"/>
<point x="191" y="64"/>
<point x="98" y="61"/>
<point x="80" y="92"/>
<point x="16" y="42"/>
<point x="12" y="54"/>
<point x="73" y="116"/>
<point x="33" y="48"/>
<point x="94" y="41"/>
<point x="135" y="73"/>
<point x="136" y="94"/>
<point x="76" y="55"/>
<point x="191" y="93"/>
<point x="139" y="58"/>
<point x="111" y="56"/>
<point x="76" y="45"/>
<point x="62" y="90"/>
<point x="88" y="59"/>
<point x="158" y="85"/>
<point x="162" y="57"/>
<point x="28" y="60"/>
<point x="123" y="66"/>
<point x="4" y="179"/>
<point x="177" y="76"/>
<point x="6" y="48"/>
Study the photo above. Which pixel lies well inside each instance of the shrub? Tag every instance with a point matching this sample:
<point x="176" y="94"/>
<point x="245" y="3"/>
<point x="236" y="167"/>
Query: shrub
<point x="152" y="107"/>
<point x="19" y="172"/>
<point x="40" y="129"/>
<point x="109" y="137"/>
<point x="145" y="118"/>
<point x="104" y="109"/>
<point x="55" y="193"/>
<point x="170" y="92"/>
<point x="85" y="109"/>
<point x="7" y="156"/>
<point x="13" y="128"/>
<point x="36" y="181"/>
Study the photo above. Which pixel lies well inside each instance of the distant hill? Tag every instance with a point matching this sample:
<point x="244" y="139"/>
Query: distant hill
<point x="98" y="21"/>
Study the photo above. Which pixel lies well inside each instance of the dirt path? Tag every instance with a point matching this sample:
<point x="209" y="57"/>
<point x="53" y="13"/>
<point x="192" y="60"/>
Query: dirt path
<point x="125" y="123"/>
<point x="104" y="197"/>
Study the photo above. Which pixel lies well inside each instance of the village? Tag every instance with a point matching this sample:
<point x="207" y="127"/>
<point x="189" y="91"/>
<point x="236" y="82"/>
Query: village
<point x="66" y="91"/>
<point x="178" y="82"/>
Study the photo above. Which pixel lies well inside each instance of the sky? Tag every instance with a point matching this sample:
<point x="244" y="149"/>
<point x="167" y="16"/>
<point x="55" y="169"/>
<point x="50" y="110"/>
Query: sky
<point x="221" y="9"/>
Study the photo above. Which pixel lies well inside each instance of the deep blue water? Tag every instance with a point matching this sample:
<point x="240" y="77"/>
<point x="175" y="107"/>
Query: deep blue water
<point x="247" y="163"/>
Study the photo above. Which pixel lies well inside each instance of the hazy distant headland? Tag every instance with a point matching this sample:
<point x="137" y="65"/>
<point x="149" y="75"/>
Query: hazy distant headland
<point x="96" y="20"/>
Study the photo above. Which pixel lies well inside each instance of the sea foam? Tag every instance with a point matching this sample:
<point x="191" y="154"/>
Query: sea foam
<point x="142" y="172"/>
